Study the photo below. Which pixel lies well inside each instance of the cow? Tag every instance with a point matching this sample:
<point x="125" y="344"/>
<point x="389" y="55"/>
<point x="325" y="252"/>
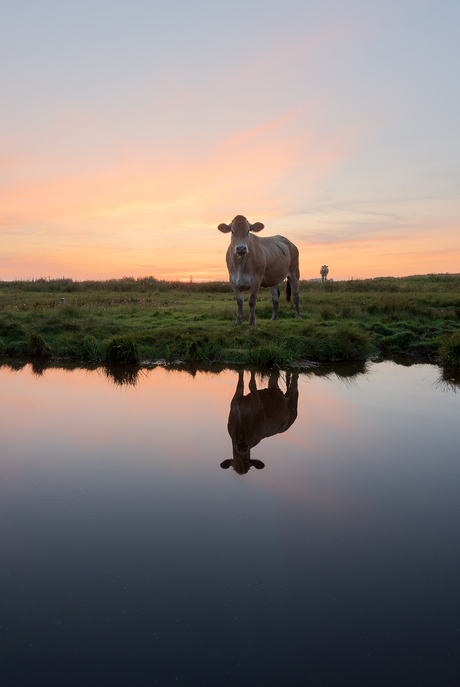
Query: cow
<point x="260" y="414"/>
<point x="324" y="271"/>
<point x="253" y="262"/>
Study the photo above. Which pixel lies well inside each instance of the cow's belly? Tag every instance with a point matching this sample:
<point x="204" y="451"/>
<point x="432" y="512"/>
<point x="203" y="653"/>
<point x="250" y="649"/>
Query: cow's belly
<point x="275" y="275"/>
<point x="241" y="281"/>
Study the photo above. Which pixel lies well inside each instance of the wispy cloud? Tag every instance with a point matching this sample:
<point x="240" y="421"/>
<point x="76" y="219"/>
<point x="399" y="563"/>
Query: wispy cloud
<point x="21" y="238"/>
<point x="264" y="127"/>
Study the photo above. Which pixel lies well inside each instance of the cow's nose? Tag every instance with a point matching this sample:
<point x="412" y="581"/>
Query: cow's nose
<point x="241" y="249"/>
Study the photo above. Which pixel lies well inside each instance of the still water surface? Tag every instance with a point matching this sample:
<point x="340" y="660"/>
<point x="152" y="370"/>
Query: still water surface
<point x="228" y="529"/>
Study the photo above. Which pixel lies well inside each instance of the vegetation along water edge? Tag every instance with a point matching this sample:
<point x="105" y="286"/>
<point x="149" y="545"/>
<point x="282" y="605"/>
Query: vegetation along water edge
<point x="131" y="320"/>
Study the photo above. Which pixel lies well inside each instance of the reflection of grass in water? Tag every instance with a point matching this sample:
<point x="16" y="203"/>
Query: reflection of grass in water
<point x="450" y="378"/>
<point x="128" y="320"/>
<point x="123" y="375"/>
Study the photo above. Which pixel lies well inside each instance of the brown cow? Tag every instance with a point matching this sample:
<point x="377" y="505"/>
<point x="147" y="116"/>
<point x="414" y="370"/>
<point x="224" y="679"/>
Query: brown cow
<point x="324" y="271"/>
<point x="257" y="415"/>
<point x="254" y="262"/>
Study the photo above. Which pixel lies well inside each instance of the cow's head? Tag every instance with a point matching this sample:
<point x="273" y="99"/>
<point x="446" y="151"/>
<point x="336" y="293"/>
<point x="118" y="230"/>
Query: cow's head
<point x="242" y="465"/>
<point x="240" y="228"/>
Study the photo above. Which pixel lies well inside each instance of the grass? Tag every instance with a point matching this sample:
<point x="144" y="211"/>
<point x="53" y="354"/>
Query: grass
<point x="132" y="320"/>
<point x="450" y="349"/>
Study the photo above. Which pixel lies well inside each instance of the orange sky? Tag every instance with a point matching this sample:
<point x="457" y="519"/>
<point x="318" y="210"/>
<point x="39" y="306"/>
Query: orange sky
<point x="334" y="129"/>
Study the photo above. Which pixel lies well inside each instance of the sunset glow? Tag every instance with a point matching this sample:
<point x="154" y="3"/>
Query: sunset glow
<point x="129" y="132"/>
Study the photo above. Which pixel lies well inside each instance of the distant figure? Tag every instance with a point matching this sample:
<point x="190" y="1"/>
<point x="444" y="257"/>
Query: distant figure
<point x="253" y="262"/>
<point x="258" y="415"/>
<point x="324" y="271"/>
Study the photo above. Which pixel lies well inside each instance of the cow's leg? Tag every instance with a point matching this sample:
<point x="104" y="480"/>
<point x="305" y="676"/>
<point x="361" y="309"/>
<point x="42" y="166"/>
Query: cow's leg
<point x="292" y="397"/>
<point x="239" y="393"/>
<point x="297" y="306"/>
<point x="256" y="400"/>
<point x="276" y="301"/>
<point x="274" y="377"/>
<point x="252" y="308"/>
<point x="239" y="300"/>
<point x="294" y="279"/>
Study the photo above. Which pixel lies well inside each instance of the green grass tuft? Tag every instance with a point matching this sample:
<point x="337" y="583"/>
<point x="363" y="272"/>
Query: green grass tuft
<point x="450" y="349"/>
<point x="37" y="346"/>
<point x="121" y="349"/>
<point x="272" y="353"/>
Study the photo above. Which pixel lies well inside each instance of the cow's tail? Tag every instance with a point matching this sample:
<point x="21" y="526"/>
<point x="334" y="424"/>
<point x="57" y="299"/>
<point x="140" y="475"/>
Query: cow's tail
<point x="288" y="290"/>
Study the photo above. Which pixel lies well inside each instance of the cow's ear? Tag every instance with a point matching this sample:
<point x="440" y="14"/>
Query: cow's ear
<point x="224" y="228"/>
<point x="226" y="464"/>
<point x="257" y="464"/>
<point x="257" y="226"/>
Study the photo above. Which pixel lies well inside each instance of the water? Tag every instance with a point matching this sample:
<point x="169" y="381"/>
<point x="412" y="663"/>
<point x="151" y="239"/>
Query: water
<point x="142" y="544"/>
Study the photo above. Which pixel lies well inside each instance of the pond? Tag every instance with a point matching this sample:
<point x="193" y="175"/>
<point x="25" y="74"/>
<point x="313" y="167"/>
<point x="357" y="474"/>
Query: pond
<point x="160" y="527"/>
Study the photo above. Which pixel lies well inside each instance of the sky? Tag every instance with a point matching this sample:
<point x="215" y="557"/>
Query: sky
<point x="129" y="129"/>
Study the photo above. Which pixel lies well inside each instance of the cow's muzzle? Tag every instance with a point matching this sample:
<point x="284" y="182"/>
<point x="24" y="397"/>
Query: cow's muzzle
<point x="241" y="249"/>
<point x="242" y="446"/>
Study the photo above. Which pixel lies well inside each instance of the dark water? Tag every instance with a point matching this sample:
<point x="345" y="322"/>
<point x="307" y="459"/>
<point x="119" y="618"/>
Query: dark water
<point x="143" y="545"/>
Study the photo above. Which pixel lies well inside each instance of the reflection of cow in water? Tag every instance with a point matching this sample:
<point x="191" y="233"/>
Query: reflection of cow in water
<point x="257" y="415"/>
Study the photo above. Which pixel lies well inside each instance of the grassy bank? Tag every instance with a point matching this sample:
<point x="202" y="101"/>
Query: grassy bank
<point x="129" y="320"/>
